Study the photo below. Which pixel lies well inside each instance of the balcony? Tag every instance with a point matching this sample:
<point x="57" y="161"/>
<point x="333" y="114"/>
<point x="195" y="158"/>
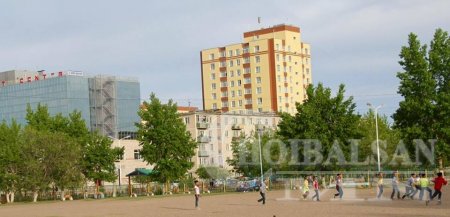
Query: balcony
<point x="203" y="139"/>
<point x="202" y="125"/>
<point x="237" y="127"/>
<point x="203" y="153"/>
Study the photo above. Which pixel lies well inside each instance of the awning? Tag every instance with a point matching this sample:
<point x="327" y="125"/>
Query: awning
<point x="141" y="172"/>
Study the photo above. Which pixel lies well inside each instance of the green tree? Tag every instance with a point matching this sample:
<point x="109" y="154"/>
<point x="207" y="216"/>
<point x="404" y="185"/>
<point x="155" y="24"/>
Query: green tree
<point x="10" y="158"/>
<point x="166" y="143"/>
<point x="48" y="159"/>
<point x="246" y="154"/>
<point x="388" y="137"/>
<point x="98" y="159"/>
<point x="424" y="84"/>
<point x="325" y="118"/>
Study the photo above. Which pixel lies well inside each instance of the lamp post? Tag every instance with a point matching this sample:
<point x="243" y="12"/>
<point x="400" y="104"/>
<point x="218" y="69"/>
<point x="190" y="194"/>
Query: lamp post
<point x="376" y="130"/>
<point x="119" y="165"/>
<point x="259" y="129"/>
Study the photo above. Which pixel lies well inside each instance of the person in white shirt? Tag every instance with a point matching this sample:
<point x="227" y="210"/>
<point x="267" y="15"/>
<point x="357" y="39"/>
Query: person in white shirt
<point x="262" y="192"/>
<point x="197" y="193"/>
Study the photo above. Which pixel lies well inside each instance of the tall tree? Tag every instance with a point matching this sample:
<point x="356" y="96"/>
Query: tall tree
<point x="166" y="143"/>
<point x="330" y="120"/>
<point x="424" y="85"/>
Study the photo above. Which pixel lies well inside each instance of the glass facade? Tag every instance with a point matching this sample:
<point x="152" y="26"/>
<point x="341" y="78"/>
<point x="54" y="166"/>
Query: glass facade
<point x="68" y="93"/>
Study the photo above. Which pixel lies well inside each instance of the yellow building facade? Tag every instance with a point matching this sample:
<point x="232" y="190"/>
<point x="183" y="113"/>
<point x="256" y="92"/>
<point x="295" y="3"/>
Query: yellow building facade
<point x="268" y="72"/>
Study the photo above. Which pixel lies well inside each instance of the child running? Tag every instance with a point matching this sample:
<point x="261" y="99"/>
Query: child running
<point x="339" y="186"/>
<point x="409" y="189"/>
<point x="395" y="186"/>
<point x="380" y="185"/>
<point x="424" y="183"/>
<point x="439" y="181"/>
<point x="305" y="188"/>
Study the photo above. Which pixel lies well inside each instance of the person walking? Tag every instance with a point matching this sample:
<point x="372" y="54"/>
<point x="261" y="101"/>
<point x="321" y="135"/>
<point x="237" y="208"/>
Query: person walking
<point x="409" y="189"/>
<point x="262" y="192"/>
<point x="395" y="186"/>
<point x="339" y="186"/>
<point x="316" y="188"/>
<point x="197" y="193"/>
<point x="380" y="185"/>
<point x="439" y="181"/>
<point x="424" y="183"/>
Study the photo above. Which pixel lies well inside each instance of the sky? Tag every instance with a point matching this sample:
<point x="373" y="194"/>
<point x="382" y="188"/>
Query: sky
<point x="356" y="43"/>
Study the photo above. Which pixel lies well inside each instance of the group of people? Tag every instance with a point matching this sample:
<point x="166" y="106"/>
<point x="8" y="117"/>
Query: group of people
<point x="416" y="183"/>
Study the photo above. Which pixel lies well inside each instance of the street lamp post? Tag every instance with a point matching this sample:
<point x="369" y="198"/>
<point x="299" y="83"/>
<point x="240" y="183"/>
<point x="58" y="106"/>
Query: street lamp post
<point x="119" y="166"/>
<point x="376" y="130"/>
<point x="259" y="129"/>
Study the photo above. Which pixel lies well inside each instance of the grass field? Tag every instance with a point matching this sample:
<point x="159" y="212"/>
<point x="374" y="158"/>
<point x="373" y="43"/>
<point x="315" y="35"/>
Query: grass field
<point x="355" y="203"/>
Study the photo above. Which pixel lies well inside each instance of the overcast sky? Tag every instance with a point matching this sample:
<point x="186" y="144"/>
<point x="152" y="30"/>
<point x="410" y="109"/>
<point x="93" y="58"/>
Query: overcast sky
<point x="352" y="42"/>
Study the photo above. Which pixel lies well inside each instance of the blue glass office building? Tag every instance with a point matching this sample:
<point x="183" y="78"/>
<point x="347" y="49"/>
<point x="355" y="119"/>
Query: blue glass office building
<point x="108" y="104"/>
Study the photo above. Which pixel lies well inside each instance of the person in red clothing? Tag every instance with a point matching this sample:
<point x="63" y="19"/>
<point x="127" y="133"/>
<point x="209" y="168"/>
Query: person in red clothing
<point x="316" y="188"/>
<point x="439" y="181"/>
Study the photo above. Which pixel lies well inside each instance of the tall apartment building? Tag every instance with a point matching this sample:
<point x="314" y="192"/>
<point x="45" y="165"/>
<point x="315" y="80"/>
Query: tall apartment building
<point x="268" y="72"/>
<point x="214" y="132"/>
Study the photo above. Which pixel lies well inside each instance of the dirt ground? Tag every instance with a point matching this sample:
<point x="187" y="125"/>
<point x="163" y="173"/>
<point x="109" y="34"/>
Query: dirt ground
<point x="279" y="203"/>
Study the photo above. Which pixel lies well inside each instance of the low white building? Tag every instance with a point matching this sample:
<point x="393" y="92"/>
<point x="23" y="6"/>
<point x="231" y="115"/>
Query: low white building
<point x="214" y="132"/>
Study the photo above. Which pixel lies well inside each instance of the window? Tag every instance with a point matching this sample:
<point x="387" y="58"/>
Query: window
<point x="238" y="52"/>
<point x="137" y="154"/>
<point x="232" y="83"/>
<point x="290" y="68"/>
<point x="258" y="69"/>
<point x="224" y="93"/>
<point x="259" y="101"/>
<point x="278" y="68"/>
<point x="239" y="92"/>
<point x="231" y="63"/>
<point x="211" y="56"/>
<point x="278" y="78"/>
<point x="258" y="80"/>
<point x="213" y="86"/>
<point x="277" y="46"/>
<point x="247" y="70"/>
<point x="248" y="101"/>
<point x="233" y="104"/>
<point x="289" y="48"/>
<point x="222" y="54"/>
<point x="213" y="76"/>
<point x="224" y="104"/>
<point x="279" y="88"/>
<point x="240" y="103"/>
<point x="258" y="90"/>
<point x="231" y="73"/>
<point x="224" y="84"/>
<point x="306" y="50"/>
<point x="256" y="48"/>
<point x="280" y="99"/>
<point x="257" y="59"/>
<point x="307" y="71"/>
<point x="245" y="50"/>
<point x="214" y="106"/>
<point x="213" y="66"/>
<point x="214" y="96"/>
<point x="260" y="110"/>
<point x="247" y="60"/>
<point x="186" y="121"/>
<point x="278" y="57"/>
<point x="248" y="91"/>
<point x="230" y="53"/>
<point x="239" y="83"/>
<point x="223" y="74"/>
<point x="290" y="59"/>
<point x="223" y="64"/>
<point x="247" y="81"/>
<point x="238" y="62"/>
<point x="232" y="93"/>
